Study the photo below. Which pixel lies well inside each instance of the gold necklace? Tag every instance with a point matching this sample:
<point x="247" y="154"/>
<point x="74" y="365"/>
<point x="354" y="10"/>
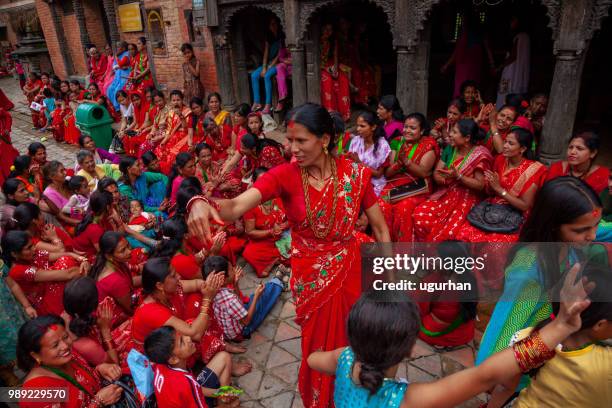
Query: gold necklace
<point x="309" y="216"/>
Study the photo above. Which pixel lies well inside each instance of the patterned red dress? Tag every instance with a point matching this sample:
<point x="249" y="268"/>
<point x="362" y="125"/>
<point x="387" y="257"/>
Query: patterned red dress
<point x="177" y="141"/>
<point x="325" y="271"/>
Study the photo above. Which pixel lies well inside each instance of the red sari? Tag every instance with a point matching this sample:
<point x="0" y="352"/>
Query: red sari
<point x="139" y="63"/>
<point x="45" y="297"/>
<point x="325" y="272"/>
<point x="116" y="285"/>
<point x="5" y="103"/>
<point x="335" y="92"/>
<point x="440" y="217"/>
<point x="57" y="123"/>
<point x="220" y="143"/>
<point x="160" y="127"/>
<point x="38" y="118"/>
<point x="399" y="215"/>
<point x="8" y="153"/>
<point x="262" y="253"/>
<point x="488" y="140"/>
<point x="597" y="179"/>
<point x="177" y="142"/>
<point x="71" y="132"/>
<point x="132" y="143"/>
<point x="77" y="398"/>
<point x="97" y="70"/>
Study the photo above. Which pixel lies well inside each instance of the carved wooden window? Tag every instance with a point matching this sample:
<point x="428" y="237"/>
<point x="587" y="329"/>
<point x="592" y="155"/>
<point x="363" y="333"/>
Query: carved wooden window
<point x="157" y="36"/>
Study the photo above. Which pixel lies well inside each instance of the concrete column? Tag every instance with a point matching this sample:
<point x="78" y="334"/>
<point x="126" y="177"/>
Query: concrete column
<point x="405" y="90"/>
<point x="224" y="72"/>
<point x="420" y="71"/>
<point x="298" y="75"/>
<point x="313" y="64"/>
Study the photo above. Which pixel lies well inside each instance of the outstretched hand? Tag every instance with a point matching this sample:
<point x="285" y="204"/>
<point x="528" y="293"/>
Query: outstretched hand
<point x="198" y="220"/>
<point x="574" y="298"/>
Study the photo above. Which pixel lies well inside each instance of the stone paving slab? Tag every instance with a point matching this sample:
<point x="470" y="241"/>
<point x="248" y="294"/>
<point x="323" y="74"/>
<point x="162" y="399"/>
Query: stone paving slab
<point x="275" y="348"/>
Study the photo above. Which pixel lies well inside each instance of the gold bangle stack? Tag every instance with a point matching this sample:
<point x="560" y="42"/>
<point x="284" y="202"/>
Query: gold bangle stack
<point x="532" y="352"/>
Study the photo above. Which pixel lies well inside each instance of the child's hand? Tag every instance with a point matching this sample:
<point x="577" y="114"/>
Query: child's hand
<point x="105" y="313"/>
<point x="211" y="285"/>
<point x="259" y="290"/>
<point x="574" y="299"/>
<point x="218" y="242"/>
<point x="238" y="274"/>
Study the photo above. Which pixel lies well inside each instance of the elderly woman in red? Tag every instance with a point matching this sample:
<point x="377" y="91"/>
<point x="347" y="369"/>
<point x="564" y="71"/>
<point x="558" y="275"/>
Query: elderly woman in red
<point x="179" y="133"/>
<point x="44" y="350"/>
<point x="264" y="225"/>
<point x="462" y="179"/>
<point x="580" y="163"/>
<point x="409" y="181"/>
<point x="322" y="196"/>
<point x="41" y="275"/>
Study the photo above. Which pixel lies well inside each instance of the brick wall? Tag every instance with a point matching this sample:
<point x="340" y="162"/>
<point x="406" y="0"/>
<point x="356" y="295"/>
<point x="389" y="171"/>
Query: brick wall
<point x="73" y="40"/>
<point x="44" y="15"/>
<point x="93" y="22"/>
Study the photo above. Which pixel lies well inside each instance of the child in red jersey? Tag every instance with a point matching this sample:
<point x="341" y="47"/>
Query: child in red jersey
<point x="174" y="385"/>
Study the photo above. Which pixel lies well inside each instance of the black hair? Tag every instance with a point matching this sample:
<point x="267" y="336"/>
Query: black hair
<point x="560" y="201"/>
<point x="157" y="92"/>
<point x="173" y="231"/>
<point x="158" y="345"/>
<point x="317" y="120"/>
<point x="189" y="188"/>
<point x="525" y="139"/>
<point x="99" y="201"/>
<point x="122" y="93"/>
<point x="244" y="109"/>
<point x="201" y="146"/>
<point x="250" y="141"/>
<point x="591" y="140"/>
<point x="21" y="164"/>
<point x="258" y="172"/>
<point x="25" y="214"/>
<point x="178" y="93"/>
<point x="34" y="74"/>
<point x="601" y="304"/>
<point x="124" y="165"/>
<point x="108" y="243"/>
<point x="94" y="85"/>
<point x="469" y="128"/>
<point x="423" y="122"/>
<point x="155" y="271"/>
<point x="47" y="93"/>
<point x="29" y="336"/>
<point x="214" y="264"/>
<point x="148" y="157"/>
<point x="371" y="119"/>
<point x="149" y="89"/>
<point x="382" y="329"/>
<point x="215" y="94"/>
<point x="34" y="147"/>
<point x="76" y="82"/>
<point x="180" y="161"/>
<point x="339" y="125"/>
<point x="460" y="104"/>
<point x="197" y="100"/>
<point x="142" y="40"/>
<point x="10" y="187"/>
<point x="75" y="183"/>
<point x="390" y="103"/>
<point x="186" y="46"/>
<point x="80" y="302"/>
<point x="516" y="101"/>
<point x="104" y="183"/>
<point x="466" y="84"/>
<point x="13" y="242"/>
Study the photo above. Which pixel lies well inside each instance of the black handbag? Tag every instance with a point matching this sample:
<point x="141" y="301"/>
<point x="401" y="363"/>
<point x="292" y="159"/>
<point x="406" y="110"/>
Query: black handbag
<point x="500" y="218"/>
<point x="416" y="187"/>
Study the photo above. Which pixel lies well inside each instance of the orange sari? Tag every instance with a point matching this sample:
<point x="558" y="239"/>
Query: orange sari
<point x="177" y="142"/>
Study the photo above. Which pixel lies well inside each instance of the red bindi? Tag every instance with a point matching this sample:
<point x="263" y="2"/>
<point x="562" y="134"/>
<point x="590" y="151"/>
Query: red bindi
<point x="596" y="212"/>
<point x="53" y="327"/>
<point x="291" y="124"/>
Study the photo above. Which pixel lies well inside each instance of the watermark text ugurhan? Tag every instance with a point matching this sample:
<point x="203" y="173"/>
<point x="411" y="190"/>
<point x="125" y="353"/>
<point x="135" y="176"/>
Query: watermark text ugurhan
<point x="430" y="287"/>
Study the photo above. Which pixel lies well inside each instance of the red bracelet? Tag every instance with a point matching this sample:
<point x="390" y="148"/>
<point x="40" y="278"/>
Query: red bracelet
<point x="212" y="203"/>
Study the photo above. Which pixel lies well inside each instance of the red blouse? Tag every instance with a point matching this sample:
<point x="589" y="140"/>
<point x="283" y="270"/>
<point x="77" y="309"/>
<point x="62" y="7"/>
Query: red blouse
<point x="84" y="242"/>
<point x="598" y="179"/>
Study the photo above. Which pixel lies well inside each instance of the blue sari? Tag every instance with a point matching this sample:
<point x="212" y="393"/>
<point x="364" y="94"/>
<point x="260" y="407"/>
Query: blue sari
<point x="119" y="81"/>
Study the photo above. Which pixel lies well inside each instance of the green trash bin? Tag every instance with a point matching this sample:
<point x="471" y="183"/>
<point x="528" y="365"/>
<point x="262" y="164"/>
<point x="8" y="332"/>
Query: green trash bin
<point x="93" y="120"/>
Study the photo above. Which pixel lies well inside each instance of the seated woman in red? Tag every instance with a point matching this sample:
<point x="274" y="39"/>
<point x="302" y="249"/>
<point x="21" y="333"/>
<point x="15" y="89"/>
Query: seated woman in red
<point x="197" y="119"/>
<point x="142" y="124"/>
<point x="498" y="127"/>
<point x="461" y="179"/>
<point x="442" y="126"/>
<point x="219" y="138"/>
<point x="240" y="124"/>
<point x="46" y="237"/>
<point x="447" y="318"/>
<point x="40" y="275"/>
<point x="256" y="153"/>
<point x="209" y="174"/>
<point x="45" y="351"/>
<point x="179" y="134"/>
<point x="89" y="322"/>
<point x="411" y="165"/>
<point x="265" y="225"/>
<point x="111" y="272"/>
<point x="38" y="153"/>
<point x="581" y="154"/>
<point x="514" y="180"/>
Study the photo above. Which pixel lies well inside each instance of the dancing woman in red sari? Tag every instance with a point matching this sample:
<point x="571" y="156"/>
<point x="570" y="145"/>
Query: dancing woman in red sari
<point x="322" y="196"/>
<point x="441" y="216"/>
<point x="417" y="156"/>
<point x="179" y="133"/>
<point x="41" y="275"/>
<point x="581" y="154"/>
<point x="140" y="77"/>
<point x="45" y="351"/>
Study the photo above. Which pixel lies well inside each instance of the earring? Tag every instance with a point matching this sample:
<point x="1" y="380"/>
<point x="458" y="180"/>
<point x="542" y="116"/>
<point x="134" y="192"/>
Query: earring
<point x="325" y="150"/>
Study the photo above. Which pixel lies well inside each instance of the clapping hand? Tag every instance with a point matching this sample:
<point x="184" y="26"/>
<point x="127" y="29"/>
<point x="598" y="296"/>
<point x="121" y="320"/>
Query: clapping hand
<point x="212" y="284"/>
<point x="493" y="179"/>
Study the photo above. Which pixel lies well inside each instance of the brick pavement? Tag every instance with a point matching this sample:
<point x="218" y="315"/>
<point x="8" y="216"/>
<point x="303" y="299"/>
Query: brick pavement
<point x="274" y="349"/>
